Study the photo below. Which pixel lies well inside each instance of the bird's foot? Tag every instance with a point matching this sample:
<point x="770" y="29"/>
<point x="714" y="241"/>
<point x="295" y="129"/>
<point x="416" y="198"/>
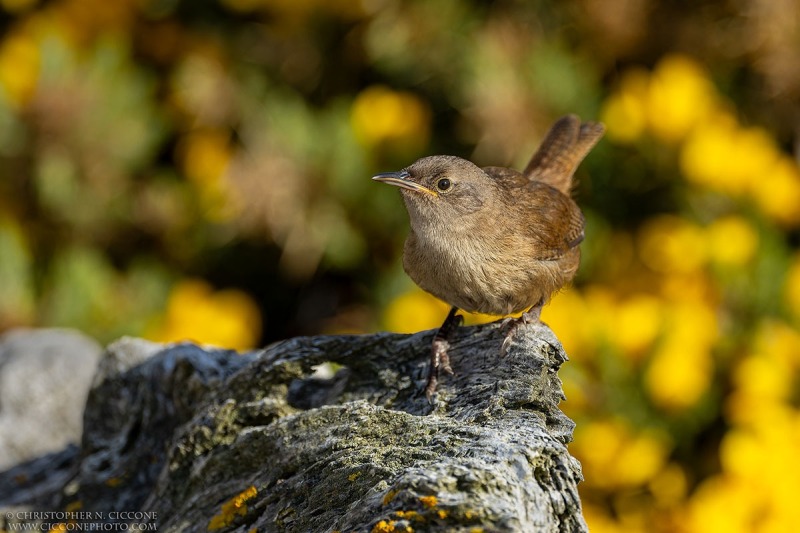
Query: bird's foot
<point x="440" y="360"/>
<point x="511" y="325"/>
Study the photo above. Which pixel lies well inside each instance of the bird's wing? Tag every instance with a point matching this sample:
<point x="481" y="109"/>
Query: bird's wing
<point x="563" y="148"/>
<point x="552" y="221"/>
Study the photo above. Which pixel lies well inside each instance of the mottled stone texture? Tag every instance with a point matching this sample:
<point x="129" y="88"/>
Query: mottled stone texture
<point x="45" y="375"/>
<point x="211" y="440"/>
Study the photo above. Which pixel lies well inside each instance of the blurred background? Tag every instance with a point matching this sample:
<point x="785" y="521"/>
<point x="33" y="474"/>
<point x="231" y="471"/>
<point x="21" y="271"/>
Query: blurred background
<point x="200" y="170"/>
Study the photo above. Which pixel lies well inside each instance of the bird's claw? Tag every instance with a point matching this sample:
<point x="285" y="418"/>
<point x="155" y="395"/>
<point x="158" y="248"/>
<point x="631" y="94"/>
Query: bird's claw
<point x="440" y="360"/>
<point x="511" y="325"/>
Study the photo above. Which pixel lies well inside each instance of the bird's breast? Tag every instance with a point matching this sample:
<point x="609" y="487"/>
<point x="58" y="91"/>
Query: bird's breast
<point x="491" y="274"/>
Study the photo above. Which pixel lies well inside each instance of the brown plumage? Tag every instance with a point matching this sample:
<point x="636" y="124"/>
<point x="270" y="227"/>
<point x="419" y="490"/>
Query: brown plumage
<point x="494" y="240"/>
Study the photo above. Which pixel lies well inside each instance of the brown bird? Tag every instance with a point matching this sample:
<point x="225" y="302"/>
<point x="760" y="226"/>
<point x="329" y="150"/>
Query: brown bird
<point x="494" y="240"/>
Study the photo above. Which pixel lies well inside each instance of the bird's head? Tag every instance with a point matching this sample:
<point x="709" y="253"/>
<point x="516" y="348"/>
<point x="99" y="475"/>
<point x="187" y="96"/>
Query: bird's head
<point x="441" y="187"/>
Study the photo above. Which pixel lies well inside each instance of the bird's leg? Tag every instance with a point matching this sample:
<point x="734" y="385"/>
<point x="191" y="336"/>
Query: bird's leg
<point x="531" y="316"/>
<point x="439" y="357"/>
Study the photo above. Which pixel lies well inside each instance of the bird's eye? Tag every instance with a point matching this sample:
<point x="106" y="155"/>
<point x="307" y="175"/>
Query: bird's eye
<point x="443" y="184"/>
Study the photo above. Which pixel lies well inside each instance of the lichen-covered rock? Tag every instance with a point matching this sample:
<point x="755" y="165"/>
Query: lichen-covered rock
<point x="213" y="441"/>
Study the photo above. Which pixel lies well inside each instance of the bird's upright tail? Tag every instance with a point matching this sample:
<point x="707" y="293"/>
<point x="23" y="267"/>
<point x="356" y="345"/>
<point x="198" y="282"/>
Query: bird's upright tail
<point x="563" y="148"/>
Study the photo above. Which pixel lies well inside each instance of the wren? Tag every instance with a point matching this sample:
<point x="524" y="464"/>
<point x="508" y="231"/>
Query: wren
<point x="494" y="240"/>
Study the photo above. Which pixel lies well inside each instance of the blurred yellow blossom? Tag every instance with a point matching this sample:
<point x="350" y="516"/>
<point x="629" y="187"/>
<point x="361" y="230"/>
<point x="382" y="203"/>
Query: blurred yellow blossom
<point x="777" y="191"/>
<point x="567" y="316"/>
<point x="576" y="390"/>
<point x="640" y="459"/>
<point x="732" y="240"/>
<point x="780" y="340"/>
<point x="721" y="505"/>
<point x="196" y="312"/>
<point x="681" y="368"/>
<point x="741" y="454"/>
<point x="19" y="67"/>
<point x="638" y="321"/>
<point x="600" y="521"/>
<point x="763" y="376"/>
<point x="596" y="444"/>
<point x="680" y="95"/>
<point x="760" y="474"/>
<point x="613" y="455"/>
<point x="204" y="156"/>
<point x="381" y="116"/>
<point x="669" y="486"/>
<point x="623" y="112"/>
<point x="668" y="243"/>
<point x="414" y="311"/>
<point x="601" y="302"/>
<point x="692" y="287"/>
<point x="669" y="102"/>
<point x="723" y="156"/>
<point x="693" y="322"/>
<point x="678" y="375"/>
<point x="764" y="380"/>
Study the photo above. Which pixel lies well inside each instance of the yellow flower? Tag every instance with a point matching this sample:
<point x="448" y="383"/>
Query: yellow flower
<point x="381" y="116"/>
<point x="599" y="521"/>
<point x="597" y="446"/>
<point x="567" y="316"/>
<point x="732" y="241"/>
<point x="680" y="95"/>
<point x="693" y="321"/>
<point x="227" y="318"/>
<point x="780" y="341"/>
<point x="678" y="375"/>
<point x="575" y="390"/>
<point x="414" y="311"/>
<point x="681" y="368"/>
<point x="722" y="505"/>
<point x="741" y="454"/>
<point x="756" y="152"/>
<point x="691" y="287"/>
<point x="763" y="376"/>
<point x="19" y="68"/>
<point x="725" y="157"/>
<point x="204" y="156"/>
<point x="601" y="303"/>
<point x="640" y="459"/>
<point x="777" y="192"/>
<point x="706" y="156"/>
<point x="671" y="244"/>
<point x="763" y="458"/>
<point x="669" y="486"/>
<point x="623" y="112"/>
<point x="638" y="322"/>
<point x="612" y="456"/>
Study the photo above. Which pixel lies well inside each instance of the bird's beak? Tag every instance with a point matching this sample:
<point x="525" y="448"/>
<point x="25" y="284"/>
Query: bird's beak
<point x="403" y="180"/>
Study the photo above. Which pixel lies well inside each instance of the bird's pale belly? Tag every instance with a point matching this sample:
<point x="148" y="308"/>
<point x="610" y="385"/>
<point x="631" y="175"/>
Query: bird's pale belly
<point x="478" y="282"/>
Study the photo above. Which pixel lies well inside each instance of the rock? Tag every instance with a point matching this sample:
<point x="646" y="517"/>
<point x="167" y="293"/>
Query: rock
<point x="45" y="376"/>
<point x="206" y="440"/>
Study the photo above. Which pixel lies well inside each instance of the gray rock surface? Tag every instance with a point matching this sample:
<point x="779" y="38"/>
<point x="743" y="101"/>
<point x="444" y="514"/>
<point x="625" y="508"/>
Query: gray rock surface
<point x="204" y="440"/>
<point x="45" y="376"/>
